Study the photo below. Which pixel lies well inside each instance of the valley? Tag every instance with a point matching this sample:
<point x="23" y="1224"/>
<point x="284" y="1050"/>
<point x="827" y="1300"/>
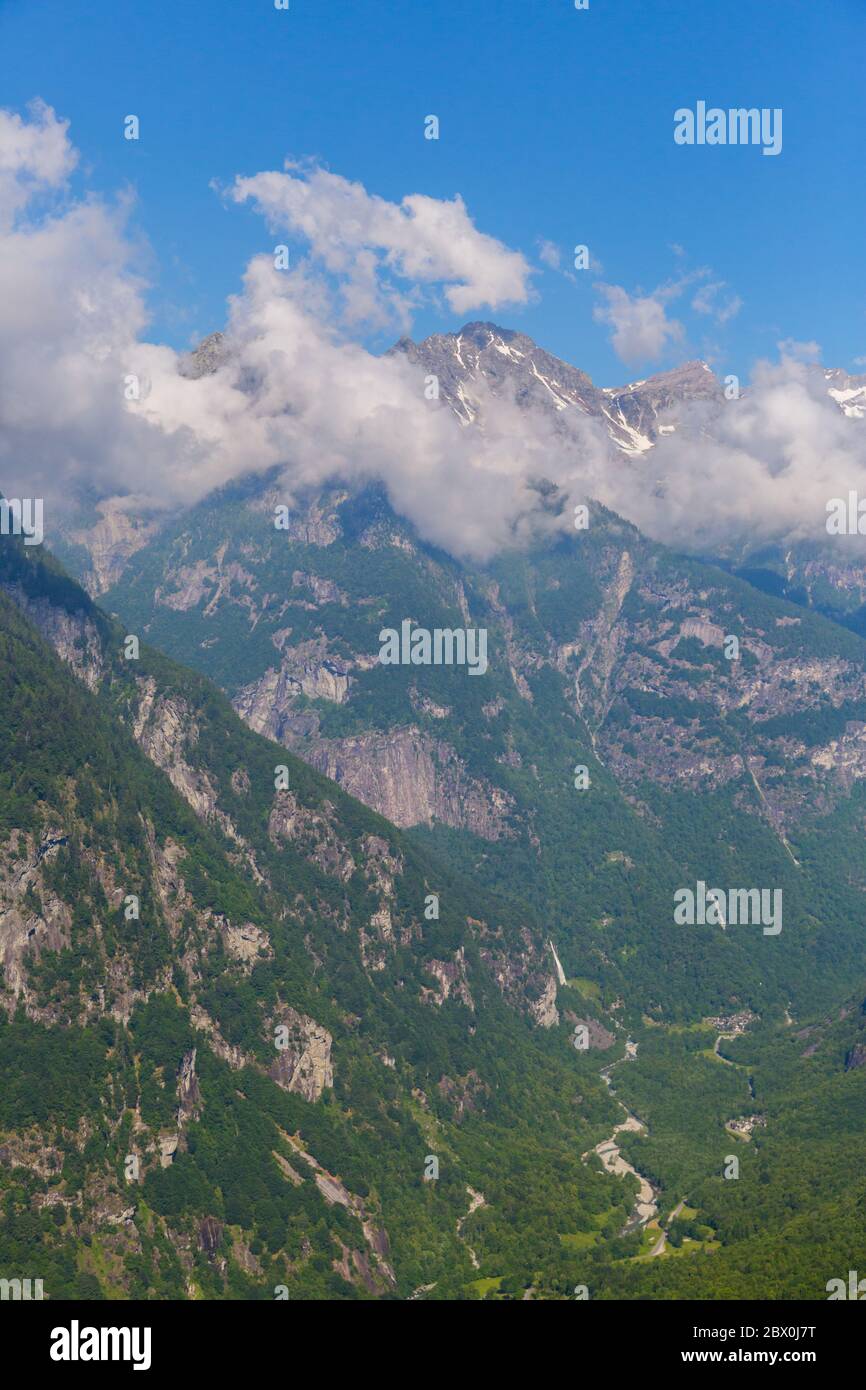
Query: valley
<point x="285" y="807"/>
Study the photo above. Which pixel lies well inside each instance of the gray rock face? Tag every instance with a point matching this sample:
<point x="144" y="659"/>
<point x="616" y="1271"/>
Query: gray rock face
<point x="24" y="932"/>
<point x="413" y="779"/>
<point x="451" y="981"/>
<point x="303" y="1063"/>
<point x="188" y="1093"/>
<point x="522" y="976"/>
<point x="267" y="704"/>
<point x="110" y="542"/>
<point x="72" y="635"/>
<point x="504" y="362"/>
<point x="313" y="834"/>
<point x="597" y="1036"/>
<point x="210" y="354"/>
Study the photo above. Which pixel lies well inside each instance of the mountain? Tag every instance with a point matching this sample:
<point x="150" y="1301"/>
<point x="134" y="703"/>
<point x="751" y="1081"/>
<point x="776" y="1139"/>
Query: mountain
<point x="646" y="725"/>
<point x="482" y="359"/>
<point x="302" y="1168"/>
<point x="498" y="360"/>
<point x="848" y="391"/>
<point x="605" y="651"/>
<point x="233" y="1039"/>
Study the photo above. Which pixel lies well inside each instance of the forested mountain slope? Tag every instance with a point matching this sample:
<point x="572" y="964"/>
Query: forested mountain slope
<point x="232" y="1041"/>
<point x="722" y="730"/>
<point x="408" y="1038"/>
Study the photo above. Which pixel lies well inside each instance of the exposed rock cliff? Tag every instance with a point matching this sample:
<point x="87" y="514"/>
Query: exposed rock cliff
<point x="303" y="1060"/>
<point x="413" y="779"/>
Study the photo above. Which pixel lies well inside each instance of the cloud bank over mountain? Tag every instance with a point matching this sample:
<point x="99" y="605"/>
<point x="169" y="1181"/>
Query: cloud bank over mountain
<point x="87" y="401"/>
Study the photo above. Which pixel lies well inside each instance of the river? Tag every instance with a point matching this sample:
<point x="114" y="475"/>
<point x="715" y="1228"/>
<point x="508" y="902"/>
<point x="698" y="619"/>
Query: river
<point x="646" y="1204"/>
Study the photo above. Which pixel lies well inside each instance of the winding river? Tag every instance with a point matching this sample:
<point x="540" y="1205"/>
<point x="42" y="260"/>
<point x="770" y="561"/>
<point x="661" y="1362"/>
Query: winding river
<point x="646" y="1202"/>
<point x="646" y="1205"/>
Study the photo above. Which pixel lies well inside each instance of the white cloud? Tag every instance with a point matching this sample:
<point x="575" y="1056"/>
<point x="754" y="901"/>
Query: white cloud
<point x="296" y="391"/>
<point x="549" y="254"/>
<point x="747" y="472"/>
<point x="799" y="352"/>
<point x="356" y="234"/>
<point x="35" y="156"/>
<point x="641" y="329"/>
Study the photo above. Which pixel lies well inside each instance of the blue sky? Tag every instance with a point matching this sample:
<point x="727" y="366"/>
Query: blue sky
<point x="556" y="126"/>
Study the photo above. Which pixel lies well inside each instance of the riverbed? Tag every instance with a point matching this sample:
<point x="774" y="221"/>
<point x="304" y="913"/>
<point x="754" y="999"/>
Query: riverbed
<point x="646" y="1203"/>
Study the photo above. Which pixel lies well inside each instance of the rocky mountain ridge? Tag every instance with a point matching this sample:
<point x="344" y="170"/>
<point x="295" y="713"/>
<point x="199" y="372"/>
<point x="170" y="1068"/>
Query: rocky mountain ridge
<point x="502" y="361"/>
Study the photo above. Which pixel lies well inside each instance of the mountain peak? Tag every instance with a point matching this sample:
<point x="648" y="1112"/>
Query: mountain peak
<point x="505" y="361"/>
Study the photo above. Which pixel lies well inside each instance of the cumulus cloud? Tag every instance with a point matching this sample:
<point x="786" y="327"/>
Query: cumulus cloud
<point x="72" y="315"/>
<point x="423" y="240"/>
<point x="790" y="348"/>
<point x="297" y="390"/>
<point x="742" y="473"/>
<point x="294" y="389"/>
<point x="641" y="329"/>
<point x="35" y="156"/>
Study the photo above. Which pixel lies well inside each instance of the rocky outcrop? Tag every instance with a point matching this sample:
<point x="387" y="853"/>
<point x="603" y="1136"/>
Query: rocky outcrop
<point x="303" y="1062"/>
<point x="603" y="640"/>
<point x="313" y="834"/>
<point x="465" y="1094"/>
<point x="334" y="1193"/>
<point x="115" y="537"/>
<point x="233" y="1056"/>
<point x="211" y="354"/>
<point x="483" y="360"/>
<point x="413" y="779"/>
<point x="188" y="1092"/>
<point x="73" y="635"/>
<point x="31" y="919"/>
<point x="597" y="1036"/>
<point x="165" y="729"/>
<point x="521" y="972"/>
<point x="312" y="520"/>
<point x="268" y="704"/>
<point x="189" y="585"/>
<point x="168" y="1145"/>
<point x="710" y="634"/>
<point x="321" y="590"/>
<point x="543" y="1007"/>
<point x="246" y="944"/>
<point x="451" y="980"/>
